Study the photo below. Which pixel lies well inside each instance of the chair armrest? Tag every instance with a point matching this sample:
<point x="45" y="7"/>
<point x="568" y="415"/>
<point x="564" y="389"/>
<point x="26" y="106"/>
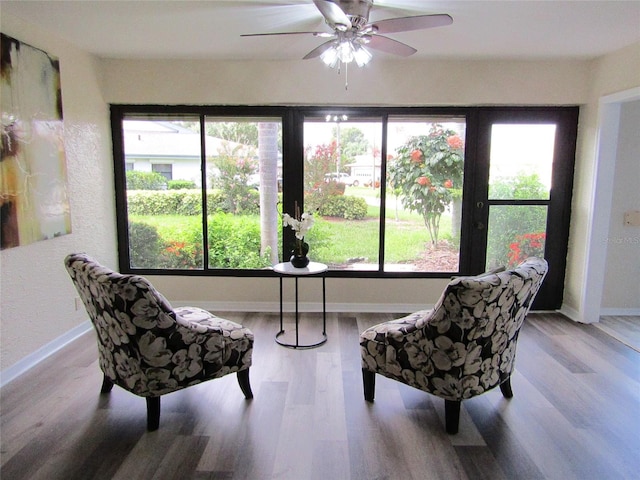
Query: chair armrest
<point x="198" y="320"/>
<point x="398" y="328"/>
<point x="202" y="322"/>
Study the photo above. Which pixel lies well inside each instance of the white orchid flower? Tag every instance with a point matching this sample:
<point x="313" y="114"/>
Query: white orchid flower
<point x="300" y="227"/>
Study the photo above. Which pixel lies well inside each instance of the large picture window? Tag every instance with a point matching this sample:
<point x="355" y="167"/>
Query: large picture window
<point x="422" y="192"/>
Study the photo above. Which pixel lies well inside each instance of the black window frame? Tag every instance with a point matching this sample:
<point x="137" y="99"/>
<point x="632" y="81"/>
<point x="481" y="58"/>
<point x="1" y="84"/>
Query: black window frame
<point x="475" y="177"/>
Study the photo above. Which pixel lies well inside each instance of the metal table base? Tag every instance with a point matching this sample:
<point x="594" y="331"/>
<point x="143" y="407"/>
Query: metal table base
<point x="284" y="270"/>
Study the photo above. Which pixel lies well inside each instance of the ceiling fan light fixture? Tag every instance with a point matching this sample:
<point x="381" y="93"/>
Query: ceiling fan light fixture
<point x="330" y="57"/>
<point x="362" y="56"/>
<point x="346" y="50"/>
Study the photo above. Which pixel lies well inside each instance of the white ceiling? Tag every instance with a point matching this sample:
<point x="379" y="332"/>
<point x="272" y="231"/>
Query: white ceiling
<point x="522" y="29"/>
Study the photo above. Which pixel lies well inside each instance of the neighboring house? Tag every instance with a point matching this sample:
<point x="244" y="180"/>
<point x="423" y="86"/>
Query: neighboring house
<point x="169" y="149"/>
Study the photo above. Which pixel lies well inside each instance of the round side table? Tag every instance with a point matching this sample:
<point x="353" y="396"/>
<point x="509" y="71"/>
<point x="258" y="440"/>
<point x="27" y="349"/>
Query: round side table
<point x="285" y="269"/>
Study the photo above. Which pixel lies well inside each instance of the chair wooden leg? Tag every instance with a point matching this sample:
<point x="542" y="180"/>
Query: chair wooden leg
<point x="107" y="384"/>
<point x="153" y="413"/>
<point x="243" y="381"/>
<point x="505" y="388"/>
<point x="452" y="415"/>
<point x="369" y="384"/>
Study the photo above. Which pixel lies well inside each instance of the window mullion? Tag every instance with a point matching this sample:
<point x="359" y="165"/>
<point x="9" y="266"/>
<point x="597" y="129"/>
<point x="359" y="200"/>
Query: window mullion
<point x="203" y="180"/>
<point x="383" y="192"/>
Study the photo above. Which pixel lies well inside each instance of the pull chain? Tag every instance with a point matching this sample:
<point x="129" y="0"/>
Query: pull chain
<point x="346" y="76"/>
<point x="346" y="73"/>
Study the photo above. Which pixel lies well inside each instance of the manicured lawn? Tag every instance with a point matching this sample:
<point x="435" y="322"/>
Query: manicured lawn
<point x="338" y="241"/>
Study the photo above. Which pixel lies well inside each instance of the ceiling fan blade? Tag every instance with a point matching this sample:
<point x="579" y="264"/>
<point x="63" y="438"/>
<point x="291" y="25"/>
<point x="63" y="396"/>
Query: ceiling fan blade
<point x="333" y="14"/>
<point x="389" y="45"/>
<point x="406" y="24"/>
<point x="317" y="34"/>
<point x="316" y="52"/>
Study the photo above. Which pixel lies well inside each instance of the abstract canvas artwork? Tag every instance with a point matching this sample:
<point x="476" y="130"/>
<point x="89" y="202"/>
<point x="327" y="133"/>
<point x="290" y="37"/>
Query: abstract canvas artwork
<point x="33" y="174"/>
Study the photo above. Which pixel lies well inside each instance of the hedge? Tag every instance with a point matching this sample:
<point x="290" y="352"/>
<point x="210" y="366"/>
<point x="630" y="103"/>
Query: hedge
<point x="347" y="207"/>
<point x="181" y="184"/>
<point x="181" y="202"/>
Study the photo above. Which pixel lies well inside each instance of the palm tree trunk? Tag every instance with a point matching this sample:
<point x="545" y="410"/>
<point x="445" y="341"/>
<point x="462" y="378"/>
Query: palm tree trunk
<point x="268" y="158"/>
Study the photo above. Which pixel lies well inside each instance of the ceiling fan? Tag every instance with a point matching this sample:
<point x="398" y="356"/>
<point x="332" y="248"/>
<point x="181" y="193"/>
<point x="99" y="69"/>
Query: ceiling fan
<point x="353" y="33"/>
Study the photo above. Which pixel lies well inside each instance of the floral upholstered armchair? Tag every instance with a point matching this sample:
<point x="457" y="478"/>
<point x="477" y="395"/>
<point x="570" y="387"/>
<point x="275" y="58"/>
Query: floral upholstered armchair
<point x="149" y="348"/>
<point x="461" y="348"/>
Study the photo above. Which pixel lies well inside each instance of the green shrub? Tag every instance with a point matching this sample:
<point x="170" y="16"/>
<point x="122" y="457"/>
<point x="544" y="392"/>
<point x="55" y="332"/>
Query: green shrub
<point x="166" y="202"/>
<point x="251" y="203"/>
<point x="137" y="180"/>
<point x="215" y="201"/>
<point x="347" y="207"/>
<point x="181" y="256"/>
<point x="322" y="240"/>
<point x="509" y="222"/>
<point x="335" y="188"/>
<point x="520" y="187"/>
<point x="234" y="242"/>
<point x="144" y="245"/>
<point x="181" y="184"/>
<point x="245" y="202"/>
<point x="184" y="249"/>
<point x="235" y="167"/>
<point x="355" y="208"/>
<point x="189" y="203"/>
<point x="248" y="204"/>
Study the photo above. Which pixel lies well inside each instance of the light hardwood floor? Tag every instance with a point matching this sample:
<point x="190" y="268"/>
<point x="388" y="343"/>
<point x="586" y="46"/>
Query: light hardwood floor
<point x="624" y="328"/>
<point x="574" y="415"/>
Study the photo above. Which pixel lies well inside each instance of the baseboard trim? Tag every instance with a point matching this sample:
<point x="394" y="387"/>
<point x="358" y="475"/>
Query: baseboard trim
<point x="39" y="355"/>
<point x="571" y="314"/>
<point x="620" y="312"/>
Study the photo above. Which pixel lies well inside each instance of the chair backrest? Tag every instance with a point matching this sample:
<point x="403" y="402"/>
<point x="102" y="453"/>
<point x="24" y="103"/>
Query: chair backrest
<point x="483" y="315"/>
<point x="128" y="315"/>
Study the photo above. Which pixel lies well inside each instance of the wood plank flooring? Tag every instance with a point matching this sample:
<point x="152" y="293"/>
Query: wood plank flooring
<point x="624" y="328"/>
<point x="574" y="415"/>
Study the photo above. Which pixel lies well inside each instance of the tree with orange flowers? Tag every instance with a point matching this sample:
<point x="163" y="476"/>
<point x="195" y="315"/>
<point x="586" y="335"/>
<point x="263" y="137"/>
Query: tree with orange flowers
<point x="427" y="170"/>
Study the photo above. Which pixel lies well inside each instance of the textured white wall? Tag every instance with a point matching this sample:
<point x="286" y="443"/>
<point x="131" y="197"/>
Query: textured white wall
<point x="390" y="82"/>
<point x="608" y="75"/>
<point x="623" y="242"/>
<point x="36" y="294"/>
